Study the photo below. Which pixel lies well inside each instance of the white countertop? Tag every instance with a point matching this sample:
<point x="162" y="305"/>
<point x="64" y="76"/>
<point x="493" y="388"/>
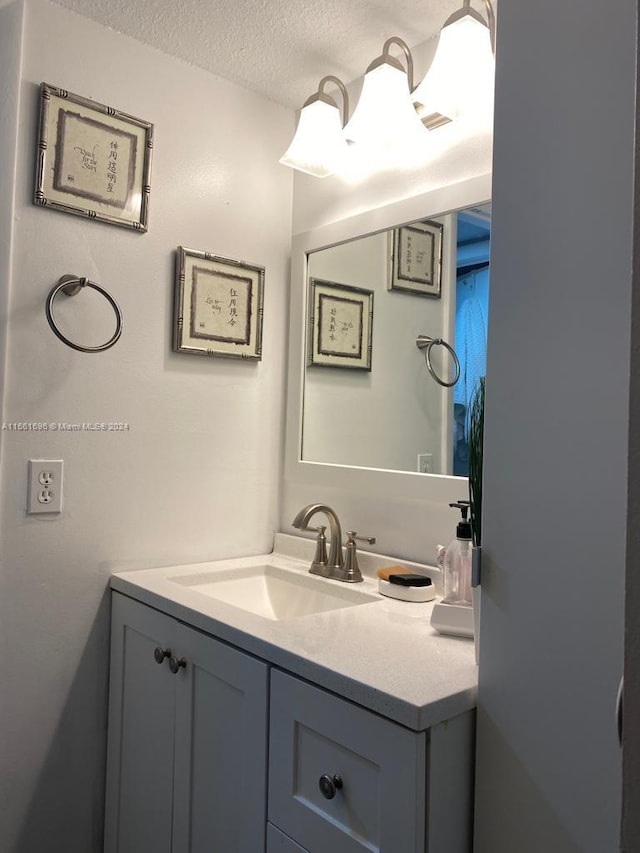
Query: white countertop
<point x="383" y="655"/>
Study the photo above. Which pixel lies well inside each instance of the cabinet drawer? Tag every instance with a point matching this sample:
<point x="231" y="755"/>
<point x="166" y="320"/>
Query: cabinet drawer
<point x="278" y="842"/>
<point x="381" y="765"/>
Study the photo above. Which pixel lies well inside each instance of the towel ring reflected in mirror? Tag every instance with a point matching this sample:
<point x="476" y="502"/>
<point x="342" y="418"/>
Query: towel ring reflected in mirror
<point x="70" y="285"/>
<point x="426" y="343"/>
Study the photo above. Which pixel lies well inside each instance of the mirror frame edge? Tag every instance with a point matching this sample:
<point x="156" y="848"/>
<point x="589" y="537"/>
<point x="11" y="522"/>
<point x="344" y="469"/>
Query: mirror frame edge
<point x="311" y="478"/>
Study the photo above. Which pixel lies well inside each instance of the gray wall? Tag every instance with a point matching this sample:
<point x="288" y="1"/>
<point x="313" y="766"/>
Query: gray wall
<point x="631" y="738"/>
<point x="549" y="774"/>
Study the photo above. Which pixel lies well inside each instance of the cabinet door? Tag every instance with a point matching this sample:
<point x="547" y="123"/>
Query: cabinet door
<point x="141" y="724"/>
<point x="377" y="803"/>
<point x="221" y="748"/>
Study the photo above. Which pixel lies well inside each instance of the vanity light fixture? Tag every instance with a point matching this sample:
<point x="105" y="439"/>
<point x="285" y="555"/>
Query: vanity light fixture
<point x="319" y="146"/>
<point x="460" y="79"/>
<point x="390" y="123"/>
<point x="385" y="117"/>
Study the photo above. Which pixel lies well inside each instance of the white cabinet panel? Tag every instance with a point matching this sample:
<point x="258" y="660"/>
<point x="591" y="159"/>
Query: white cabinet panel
<point x="141" y="724"/>
<point x="382" y="767"/>
<point x="450" y="788"/>
<point x="187" y="749"/>
<point x="221" y="748"/>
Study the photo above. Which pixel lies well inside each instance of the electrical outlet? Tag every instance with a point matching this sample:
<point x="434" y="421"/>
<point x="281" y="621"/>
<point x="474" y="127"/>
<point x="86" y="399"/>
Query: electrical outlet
<point x="45" y="486"/>
<point x="425" y="463"/>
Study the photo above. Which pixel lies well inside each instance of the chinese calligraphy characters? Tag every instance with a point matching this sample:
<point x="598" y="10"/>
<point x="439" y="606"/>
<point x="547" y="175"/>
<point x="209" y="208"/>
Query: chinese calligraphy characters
<point x="112" y="166"/>
<point x="231" y="307"/>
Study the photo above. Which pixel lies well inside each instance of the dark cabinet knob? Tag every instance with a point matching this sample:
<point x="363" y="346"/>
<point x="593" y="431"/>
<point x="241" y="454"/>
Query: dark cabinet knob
<point x="160" y="654"/>
<point x="176" y="663"/>
<point x="329" y="785"/>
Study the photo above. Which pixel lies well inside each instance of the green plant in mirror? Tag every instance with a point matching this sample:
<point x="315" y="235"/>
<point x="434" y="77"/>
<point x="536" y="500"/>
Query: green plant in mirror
<point x="476" y="439"/>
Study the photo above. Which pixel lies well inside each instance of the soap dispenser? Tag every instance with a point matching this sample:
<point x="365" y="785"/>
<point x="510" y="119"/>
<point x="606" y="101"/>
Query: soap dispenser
<point x="457" y="561"/>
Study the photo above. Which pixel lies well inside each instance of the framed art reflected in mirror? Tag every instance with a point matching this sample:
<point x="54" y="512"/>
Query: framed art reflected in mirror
<point x="340" y="325"/>
<point x="416" y="258"/>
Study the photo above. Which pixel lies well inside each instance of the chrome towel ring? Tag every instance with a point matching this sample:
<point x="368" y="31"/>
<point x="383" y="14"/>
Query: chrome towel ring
<point x="70" y="285"/>
<point x="425" y="343"/>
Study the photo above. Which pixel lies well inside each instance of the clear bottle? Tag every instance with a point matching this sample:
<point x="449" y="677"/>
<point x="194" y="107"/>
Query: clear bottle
<point x="457" y="561"/>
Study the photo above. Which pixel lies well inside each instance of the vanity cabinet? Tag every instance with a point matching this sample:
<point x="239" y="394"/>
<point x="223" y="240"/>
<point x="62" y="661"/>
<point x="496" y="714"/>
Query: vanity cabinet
<point x="187" y="754"/>
<point x="191" y="720"/>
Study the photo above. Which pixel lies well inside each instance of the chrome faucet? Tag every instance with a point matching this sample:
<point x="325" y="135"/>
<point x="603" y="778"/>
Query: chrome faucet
<point x="321" y="565"/>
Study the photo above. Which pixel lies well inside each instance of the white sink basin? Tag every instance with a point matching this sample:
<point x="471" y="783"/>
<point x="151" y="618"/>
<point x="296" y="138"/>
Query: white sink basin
<point x="273" y="592"/>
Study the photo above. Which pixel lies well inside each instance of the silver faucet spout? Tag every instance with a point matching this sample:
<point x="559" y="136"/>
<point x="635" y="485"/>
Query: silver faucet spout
<point x="301" y="521"/>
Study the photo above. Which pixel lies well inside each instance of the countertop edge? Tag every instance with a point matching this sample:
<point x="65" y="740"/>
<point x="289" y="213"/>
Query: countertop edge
<point x="414" y="717"/>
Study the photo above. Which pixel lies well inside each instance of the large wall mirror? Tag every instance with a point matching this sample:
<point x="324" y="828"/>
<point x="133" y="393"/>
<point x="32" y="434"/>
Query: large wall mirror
<point x="369" y="399"/>
<point x="384" y="429"/>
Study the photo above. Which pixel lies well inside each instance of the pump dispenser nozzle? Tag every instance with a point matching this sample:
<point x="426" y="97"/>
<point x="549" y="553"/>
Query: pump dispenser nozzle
<point x="463" y="530"/>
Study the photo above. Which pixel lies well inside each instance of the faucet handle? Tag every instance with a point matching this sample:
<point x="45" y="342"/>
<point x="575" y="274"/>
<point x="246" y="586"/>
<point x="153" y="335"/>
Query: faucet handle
<point x="350" y="572"/>
<point x="319" y="564"/>
<point x="352" y="535"/>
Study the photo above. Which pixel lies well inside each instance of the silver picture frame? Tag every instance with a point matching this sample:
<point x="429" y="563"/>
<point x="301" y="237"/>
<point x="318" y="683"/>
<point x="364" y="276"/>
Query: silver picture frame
<point x="92" y="160"/>
<point x="416" y="258"/>
<point x="218" y="306"/>
<point x="340" y="325"/>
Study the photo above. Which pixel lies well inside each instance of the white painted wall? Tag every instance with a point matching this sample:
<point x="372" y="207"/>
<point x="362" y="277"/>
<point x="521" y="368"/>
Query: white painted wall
<point x="11" y="20"/>
<point x="196" y="476"/>
<point x="555" y="515"/>
<point x="385" y="417"/>
<point x="456" y="157"/>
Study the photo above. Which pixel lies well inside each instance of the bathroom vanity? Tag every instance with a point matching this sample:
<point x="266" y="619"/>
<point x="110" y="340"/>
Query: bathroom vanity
<point x="340" y="722"/>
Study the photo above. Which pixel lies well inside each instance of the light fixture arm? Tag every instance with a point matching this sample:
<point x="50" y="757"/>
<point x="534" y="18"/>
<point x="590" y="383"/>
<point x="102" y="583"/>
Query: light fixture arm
<point x="491" y="20"/>
<point x="386" y="56"/>
<point x="467" y="10"/>
<point x="343" y="91"/>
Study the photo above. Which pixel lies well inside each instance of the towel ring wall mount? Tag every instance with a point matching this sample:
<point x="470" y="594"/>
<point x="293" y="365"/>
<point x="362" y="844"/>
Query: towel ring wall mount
<point x="70" y="285"/>
<point x="426" y="343"/>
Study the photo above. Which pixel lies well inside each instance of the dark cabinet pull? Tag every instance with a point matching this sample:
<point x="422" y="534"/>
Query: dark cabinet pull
<point x="329" y="785"/>
<point x="176" y="663"/>
<point x="160" y="654"/>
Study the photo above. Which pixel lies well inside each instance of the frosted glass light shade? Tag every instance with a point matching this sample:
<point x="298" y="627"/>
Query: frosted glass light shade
<point x="385" y="117"/>
<point x="319" y="146"/>
<point x="461" y="77"/>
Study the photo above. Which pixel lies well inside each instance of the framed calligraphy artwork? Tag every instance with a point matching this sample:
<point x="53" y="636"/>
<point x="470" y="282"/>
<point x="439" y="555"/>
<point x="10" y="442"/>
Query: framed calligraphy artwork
<point x="416" y="258"/>
<point x="218" y="306"/>
<point x="340" y="325"/>
<point x="92" y="160"/>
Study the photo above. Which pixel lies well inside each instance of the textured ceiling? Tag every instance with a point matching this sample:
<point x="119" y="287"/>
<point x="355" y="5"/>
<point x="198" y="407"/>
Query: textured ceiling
<point x="279" y="48"/>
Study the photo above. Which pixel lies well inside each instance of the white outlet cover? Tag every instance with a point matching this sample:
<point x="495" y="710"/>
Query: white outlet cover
<point x="425" y="463"/>
<point x="45" y="486"/>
